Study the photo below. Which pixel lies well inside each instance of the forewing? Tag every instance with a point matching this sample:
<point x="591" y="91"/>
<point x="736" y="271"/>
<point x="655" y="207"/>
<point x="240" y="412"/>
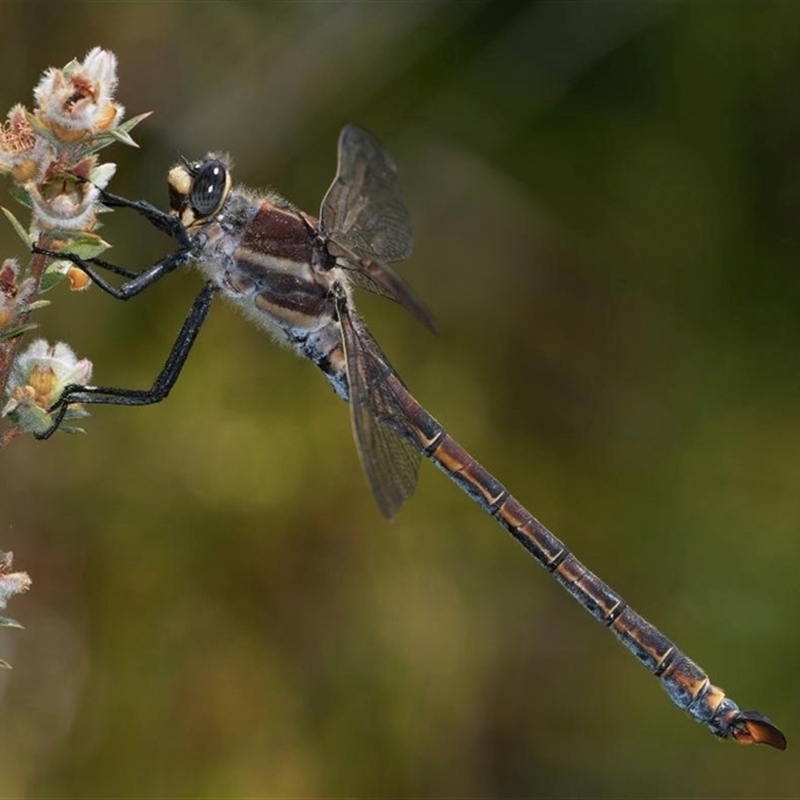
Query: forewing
<point x="390" y="462"/>
<point x="366" y="220"/>
<point x="364" y="208"/>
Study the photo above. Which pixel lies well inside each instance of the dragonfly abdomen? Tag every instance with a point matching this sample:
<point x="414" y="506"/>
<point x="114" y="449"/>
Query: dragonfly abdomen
<point x="685" y="682"/>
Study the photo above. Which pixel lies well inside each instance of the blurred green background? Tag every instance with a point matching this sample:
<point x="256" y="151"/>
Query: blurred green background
<point x="606" y="199"/>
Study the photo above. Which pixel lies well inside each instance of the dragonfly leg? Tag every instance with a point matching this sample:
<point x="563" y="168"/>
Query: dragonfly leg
<point x="165" y="380"/>
<point x="165" y="222"/>
<point x="138" y="281"/>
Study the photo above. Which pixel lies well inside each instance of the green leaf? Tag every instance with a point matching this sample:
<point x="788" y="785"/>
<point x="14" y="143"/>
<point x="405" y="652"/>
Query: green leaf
<point x="131" y="123"/>
<point x="89" y="245"/>
<point x="17" y="225"/>
<point x="79" y="243"/>
<point x="7" y="622"/>
<point x="123" y="137"/>
<point x="119" y="134"/>
<point x="51" y="279"/>
<point x="14" y="332"/>
<point x="4" y="664"/>
<point x="71" y="235"/>
<point x="59" y="265"/>
<point x="21" y="196"/>
<point x="37" y="304"/>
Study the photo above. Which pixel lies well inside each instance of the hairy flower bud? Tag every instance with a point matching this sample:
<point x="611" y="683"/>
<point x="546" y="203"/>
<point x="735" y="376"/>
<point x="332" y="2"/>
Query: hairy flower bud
<point x="78" y="99"/>
<point x="64" y="205"/>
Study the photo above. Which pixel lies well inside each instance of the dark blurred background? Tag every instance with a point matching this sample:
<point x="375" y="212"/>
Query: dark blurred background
<point x="605" y="199"/>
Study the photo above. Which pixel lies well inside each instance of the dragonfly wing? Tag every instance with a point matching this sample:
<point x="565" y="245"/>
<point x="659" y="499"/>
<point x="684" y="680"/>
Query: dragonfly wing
<point x="382" y="279"/>
<point x="366" y="220"/>
<point x="364" y="208"/>
<point x="390" y="461"/>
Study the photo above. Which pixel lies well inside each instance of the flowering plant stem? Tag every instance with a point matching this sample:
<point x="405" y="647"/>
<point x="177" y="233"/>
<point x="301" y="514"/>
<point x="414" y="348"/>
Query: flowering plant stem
<point x="51" y="154"/>
<point x="8" y="347"/>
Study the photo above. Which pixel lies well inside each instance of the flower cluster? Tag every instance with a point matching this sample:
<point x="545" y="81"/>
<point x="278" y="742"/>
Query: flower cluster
<point x="78" y="100"/>
<point x="22" y="153"/>
<point x="11" y="583"/>
<point x="52" y="152"/>
<point x="37" y="380"/>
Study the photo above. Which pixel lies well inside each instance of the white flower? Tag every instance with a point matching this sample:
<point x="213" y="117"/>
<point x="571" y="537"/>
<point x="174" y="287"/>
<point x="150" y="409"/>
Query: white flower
<point x="78" y="99"/>
<point x="73" y="208"/>
<point x="102" y="174"/>
<point x="40" y="374"/>
<point x="11" y="583"/>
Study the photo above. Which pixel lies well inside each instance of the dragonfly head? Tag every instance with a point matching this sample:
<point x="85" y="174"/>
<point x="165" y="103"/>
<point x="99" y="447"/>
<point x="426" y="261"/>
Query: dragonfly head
<point x="199" y="189"/>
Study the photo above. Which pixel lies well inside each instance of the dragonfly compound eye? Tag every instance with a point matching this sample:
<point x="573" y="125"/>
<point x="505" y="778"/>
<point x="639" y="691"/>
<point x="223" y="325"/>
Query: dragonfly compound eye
<point x="209" y="188"/>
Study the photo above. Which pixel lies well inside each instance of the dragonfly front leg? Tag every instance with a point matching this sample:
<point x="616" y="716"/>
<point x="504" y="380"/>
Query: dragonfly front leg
<point x="165" y="380"/>
<point x="138" y="281"/>
<point x="167" y="223"/>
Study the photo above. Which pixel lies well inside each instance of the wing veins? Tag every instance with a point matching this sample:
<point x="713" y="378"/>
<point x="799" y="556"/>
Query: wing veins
<point x="390" y="461"/>
<point x="365" y="218"/>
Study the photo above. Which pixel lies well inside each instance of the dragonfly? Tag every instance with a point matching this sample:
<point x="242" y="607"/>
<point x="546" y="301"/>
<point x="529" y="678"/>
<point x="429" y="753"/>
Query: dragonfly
<point x="293" y="274"/>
